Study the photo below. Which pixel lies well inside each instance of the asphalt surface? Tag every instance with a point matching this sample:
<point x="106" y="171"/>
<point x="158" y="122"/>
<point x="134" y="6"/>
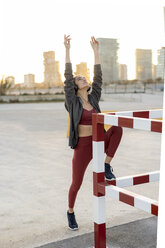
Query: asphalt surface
<point x="136" y="234"/>
<point x="36" y="172"/>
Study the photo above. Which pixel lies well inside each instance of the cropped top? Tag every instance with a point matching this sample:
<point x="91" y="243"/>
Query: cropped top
<point x="86" y="117"/>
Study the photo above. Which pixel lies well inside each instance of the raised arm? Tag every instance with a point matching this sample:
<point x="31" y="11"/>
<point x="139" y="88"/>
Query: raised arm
<point x="97" y="79"/>
<point x="95" y="46"/>
<point x="68" y="83"/>
<point x="67" y="47"/>
<point x="68" y="66"/>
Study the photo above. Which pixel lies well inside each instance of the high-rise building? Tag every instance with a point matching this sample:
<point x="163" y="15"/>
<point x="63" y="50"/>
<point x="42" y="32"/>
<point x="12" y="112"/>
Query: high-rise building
<point x="29" y="80"/>
<point x="52" y="76"/>
<point x="143" y="64"/>
<point x="160" y="68"/>
<point x="108" y="51"/>
<point x="81" y="69"/>
<point x="122" y="72"/>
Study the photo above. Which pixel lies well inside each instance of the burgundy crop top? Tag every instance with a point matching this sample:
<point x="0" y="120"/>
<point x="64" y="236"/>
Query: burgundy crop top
<point x="86" y="117"/>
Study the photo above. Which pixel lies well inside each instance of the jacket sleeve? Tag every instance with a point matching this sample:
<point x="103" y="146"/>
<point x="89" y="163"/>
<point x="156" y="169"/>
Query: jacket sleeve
<point x="69" y="86"/>
<point x="97" y="82"/>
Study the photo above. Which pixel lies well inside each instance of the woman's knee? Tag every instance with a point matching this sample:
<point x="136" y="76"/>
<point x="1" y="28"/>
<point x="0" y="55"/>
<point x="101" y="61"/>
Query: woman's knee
<point x="118" y="130"/>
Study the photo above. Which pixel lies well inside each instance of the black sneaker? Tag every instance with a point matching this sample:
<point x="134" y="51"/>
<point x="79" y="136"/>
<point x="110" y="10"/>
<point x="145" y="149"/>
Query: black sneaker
<point x="72" y="224"/>
<point x="108" y="172"/>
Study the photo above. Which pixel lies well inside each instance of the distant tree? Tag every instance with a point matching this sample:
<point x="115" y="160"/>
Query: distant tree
<point x="4" y="85"/>
<point x="149" y="80"/>
<point x="159" y="80"/>
<point x="106" y="83"/>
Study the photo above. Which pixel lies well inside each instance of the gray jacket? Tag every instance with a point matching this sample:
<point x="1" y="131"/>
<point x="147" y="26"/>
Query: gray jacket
<point x="73" y="103"/>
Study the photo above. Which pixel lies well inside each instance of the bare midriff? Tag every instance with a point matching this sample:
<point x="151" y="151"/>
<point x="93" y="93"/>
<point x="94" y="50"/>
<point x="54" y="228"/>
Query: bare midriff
<point x="84" y="130"/>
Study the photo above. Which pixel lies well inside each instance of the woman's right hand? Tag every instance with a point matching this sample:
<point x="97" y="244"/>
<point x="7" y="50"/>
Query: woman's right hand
<point x="67" y="41"/>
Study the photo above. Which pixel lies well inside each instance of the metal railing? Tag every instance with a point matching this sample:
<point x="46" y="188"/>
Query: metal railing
<point x="139" y="119"/>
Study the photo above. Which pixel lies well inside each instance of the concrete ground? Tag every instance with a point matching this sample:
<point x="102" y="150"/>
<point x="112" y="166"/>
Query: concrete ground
<point x="35" y="171"/>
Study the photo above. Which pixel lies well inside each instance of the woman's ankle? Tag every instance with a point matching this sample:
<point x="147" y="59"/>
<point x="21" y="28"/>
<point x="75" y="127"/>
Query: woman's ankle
<point x="71" y="211"/>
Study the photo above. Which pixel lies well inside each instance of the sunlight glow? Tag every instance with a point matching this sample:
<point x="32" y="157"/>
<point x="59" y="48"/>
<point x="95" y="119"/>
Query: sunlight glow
<point x="34" y="27"/>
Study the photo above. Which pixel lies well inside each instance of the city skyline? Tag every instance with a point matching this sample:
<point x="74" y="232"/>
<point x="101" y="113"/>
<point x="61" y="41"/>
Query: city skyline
<point x="122" y="67"/>
<point x="29" y="34"/>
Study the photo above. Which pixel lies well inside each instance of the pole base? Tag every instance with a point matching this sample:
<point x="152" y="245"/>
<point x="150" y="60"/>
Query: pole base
<point x="94" y="247"/>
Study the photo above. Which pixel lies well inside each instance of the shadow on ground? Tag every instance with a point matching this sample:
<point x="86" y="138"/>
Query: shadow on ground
<point x="136" y="234"/>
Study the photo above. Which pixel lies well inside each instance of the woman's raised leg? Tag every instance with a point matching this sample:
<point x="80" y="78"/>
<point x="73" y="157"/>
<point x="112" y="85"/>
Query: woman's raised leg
<point x="112" y="140"/>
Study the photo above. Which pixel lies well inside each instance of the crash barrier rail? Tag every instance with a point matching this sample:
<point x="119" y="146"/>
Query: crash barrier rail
<point x="139" y="119"/>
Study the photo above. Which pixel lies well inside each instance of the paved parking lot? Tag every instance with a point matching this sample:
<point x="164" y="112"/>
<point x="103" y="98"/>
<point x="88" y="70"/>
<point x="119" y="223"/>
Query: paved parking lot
<point x="35" y="171"/>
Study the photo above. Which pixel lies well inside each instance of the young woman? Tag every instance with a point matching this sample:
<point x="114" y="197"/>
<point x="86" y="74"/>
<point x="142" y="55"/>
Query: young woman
<point x="80" y="104"/>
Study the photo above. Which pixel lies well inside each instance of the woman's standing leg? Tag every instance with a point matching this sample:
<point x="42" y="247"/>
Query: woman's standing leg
<point x="81" y="158"/>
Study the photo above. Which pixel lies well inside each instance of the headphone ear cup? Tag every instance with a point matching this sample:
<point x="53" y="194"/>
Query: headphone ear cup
<point x="89" y="88"/>
<point x="75" y="87"/>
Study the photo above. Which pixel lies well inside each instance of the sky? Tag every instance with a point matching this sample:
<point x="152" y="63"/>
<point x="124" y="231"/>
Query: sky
<point x="30" y="28"/>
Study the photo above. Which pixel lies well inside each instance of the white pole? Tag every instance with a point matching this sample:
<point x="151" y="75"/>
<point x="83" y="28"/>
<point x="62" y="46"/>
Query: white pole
<point x="161" y="215"/>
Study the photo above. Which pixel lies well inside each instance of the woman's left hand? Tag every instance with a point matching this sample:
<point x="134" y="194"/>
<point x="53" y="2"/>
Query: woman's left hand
<point x="94" y="43"/>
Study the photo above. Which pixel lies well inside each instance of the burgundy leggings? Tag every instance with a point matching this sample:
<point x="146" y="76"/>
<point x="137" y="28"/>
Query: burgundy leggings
<point x="83" y="155"/>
